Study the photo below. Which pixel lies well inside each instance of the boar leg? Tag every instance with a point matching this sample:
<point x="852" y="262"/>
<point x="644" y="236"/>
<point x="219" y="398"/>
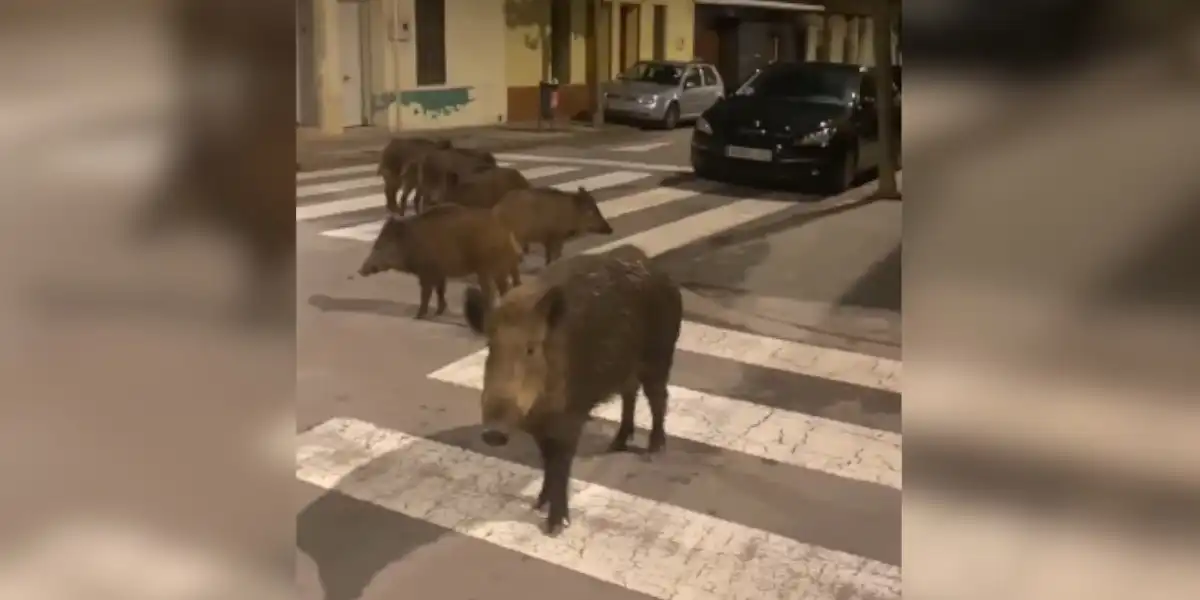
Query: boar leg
<point x="488" y="285"/>
<point x="441" y="297"/>
<point x="391" y="185"/>
<point x="558" y="454"/>
<point x="554" y="248"/>
<point x="656" y="393"/>
<point x="426" y="293"/>
<point x="620" y="442"/>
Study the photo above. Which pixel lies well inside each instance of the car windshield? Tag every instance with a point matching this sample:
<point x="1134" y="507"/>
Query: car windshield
<point x="799" y="82"/>
<point x="654" y="73"/>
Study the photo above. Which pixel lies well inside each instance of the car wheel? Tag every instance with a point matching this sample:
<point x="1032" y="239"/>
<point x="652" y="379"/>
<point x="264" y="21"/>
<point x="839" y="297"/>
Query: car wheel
<point x="844" y="175"/>
<point x="671" y="119"/>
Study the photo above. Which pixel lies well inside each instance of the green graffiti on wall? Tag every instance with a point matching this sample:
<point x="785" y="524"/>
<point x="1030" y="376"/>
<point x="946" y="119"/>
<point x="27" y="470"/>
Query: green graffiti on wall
<point x="430" y="103"/>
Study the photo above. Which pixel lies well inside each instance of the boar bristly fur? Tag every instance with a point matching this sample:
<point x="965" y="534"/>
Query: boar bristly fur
<point x="443" y="242"/>
<point x="589" y="328"/>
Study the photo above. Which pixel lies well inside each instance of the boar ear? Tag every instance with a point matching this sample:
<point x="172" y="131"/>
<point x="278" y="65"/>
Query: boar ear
<point x="552" y="306"/>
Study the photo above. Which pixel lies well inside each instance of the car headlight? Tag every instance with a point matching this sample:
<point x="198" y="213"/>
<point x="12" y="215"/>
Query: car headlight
<point x="703" y="127"/>
<point x="816" y="138"/>
<point x="647" y="100"/>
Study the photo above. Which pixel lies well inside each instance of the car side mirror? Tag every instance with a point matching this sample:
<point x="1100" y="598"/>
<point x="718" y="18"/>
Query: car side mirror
<point x="687" y="85"/>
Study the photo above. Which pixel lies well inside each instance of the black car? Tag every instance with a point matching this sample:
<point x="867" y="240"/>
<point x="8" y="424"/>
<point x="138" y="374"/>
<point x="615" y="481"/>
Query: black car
<point x="792" y="122"/>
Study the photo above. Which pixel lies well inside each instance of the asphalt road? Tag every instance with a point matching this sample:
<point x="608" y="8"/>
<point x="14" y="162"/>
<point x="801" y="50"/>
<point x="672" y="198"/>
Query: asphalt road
<point x="781" y="477"/>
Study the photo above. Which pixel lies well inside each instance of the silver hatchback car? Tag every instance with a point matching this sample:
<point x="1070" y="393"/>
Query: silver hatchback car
<point x="663" y="92"/>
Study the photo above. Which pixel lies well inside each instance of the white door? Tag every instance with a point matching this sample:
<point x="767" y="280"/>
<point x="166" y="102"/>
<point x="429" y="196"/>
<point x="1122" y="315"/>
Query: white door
<point x="349" y="30"/>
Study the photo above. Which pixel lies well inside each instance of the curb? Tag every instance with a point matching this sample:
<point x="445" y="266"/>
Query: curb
<point x="718" y="314"/>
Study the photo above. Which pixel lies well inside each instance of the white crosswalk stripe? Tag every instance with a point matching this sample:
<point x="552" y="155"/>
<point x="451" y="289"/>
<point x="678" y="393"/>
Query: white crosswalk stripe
<point x="748" y="416"/>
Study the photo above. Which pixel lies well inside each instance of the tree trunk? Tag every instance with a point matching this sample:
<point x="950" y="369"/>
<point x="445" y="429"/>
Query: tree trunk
<point x="597" y="78"/>
<point x="886" y="104"/>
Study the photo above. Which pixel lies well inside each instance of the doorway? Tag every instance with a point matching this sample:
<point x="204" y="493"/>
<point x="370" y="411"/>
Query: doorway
<point x="631" y="34"/>
<point x="351" y="54"/>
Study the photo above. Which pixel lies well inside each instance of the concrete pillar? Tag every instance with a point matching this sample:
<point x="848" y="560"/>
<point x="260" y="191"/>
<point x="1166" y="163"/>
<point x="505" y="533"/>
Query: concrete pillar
<point x="866" y="47"/>
<point x="852" y="28"/>
<point x="837" y="38"/>
<point x="328" y="66"/>
<point x="614" y="40"/>
<point x="812" y="38"/>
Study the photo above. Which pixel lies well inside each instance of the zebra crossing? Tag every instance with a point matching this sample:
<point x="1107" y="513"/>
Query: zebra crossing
<point x="659" y="201"/>
<point x="782" y="472"/>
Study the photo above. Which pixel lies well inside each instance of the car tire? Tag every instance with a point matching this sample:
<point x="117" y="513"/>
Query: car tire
<point x="842" y="178"/>
<point x="671" y="118"/>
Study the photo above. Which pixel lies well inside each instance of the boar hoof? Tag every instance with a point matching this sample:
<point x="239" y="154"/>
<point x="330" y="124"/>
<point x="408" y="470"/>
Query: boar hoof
<point x="657" y="443"/>
<point x="618" y="445"/>
<point x="555" y="526"/>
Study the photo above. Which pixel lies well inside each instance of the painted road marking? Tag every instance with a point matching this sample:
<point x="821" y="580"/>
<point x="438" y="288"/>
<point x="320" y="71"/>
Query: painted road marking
<point x="367" y="232"/>
<point x="596" y="162"/>
<point x="599" y="182"/>
<point x="783" y="355"/>
<point x="332" y="187"/>
<point x="840" y="449"/>
<point x="650" y="547"/>
<point x="353" y="170"/>
<point x="624" y="205"/>
<point x="641" y="147"/>
<point x="320" y="210"/>
<point x="664" y="238"/>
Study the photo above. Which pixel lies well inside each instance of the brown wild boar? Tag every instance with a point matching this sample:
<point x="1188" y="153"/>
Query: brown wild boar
<point x="443" y="242"/>
<point x="482" y="189"/>
<point x="439" y="169"/>
<point x="551" y="217"/>
<point x="398" y="154"/>
<point x="588" y="328"/>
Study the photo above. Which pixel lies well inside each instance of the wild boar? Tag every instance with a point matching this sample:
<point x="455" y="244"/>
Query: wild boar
<point x="443" y="242"/>
<point x="482" y="189"/>
<point x="550" y="217"/>
<point x="398" y="154"/>
<point x="586" y="329"/>
<point x="442" y="168"/>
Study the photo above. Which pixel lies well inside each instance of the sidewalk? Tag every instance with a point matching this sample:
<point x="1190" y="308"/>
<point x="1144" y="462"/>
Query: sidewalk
<point x="360" y="145"/>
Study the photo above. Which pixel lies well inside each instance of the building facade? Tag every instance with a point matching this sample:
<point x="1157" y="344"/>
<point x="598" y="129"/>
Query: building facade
<point x="400" y="64"/>
<point x="550" y="40"/>
<point x="428" y="64"/>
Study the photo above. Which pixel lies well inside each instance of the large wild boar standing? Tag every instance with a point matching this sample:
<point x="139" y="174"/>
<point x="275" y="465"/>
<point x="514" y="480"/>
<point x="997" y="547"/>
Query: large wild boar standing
<point x="440" y="169"/>
<point x="443" y="242"/>
<point x="551" y="217"/>
<point x="588" y="328"/>
<point x="396" y="156"/>
<point x="481" y="189"/>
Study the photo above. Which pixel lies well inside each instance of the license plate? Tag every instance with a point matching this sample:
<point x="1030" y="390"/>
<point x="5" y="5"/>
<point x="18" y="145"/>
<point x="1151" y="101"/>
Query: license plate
<point x="748" y="153"/>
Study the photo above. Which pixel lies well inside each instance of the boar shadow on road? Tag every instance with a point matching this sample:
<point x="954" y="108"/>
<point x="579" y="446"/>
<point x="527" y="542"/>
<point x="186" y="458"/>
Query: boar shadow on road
<point x="377" y="306"/>
<point x="351" y="540"/>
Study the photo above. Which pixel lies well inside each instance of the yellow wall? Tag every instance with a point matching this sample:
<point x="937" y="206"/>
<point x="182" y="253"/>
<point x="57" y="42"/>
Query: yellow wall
<point x="523" y="32"/>
<point x="475" y="91"/>
<point x="526" y="60"/>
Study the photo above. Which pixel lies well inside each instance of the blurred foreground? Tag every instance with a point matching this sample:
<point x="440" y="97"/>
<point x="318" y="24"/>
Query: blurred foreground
<point x="1051" y="327"/>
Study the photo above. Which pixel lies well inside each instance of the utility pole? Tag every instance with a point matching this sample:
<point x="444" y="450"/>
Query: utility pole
<point x="597" y="63"/>
<point x="885" y="106"/>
